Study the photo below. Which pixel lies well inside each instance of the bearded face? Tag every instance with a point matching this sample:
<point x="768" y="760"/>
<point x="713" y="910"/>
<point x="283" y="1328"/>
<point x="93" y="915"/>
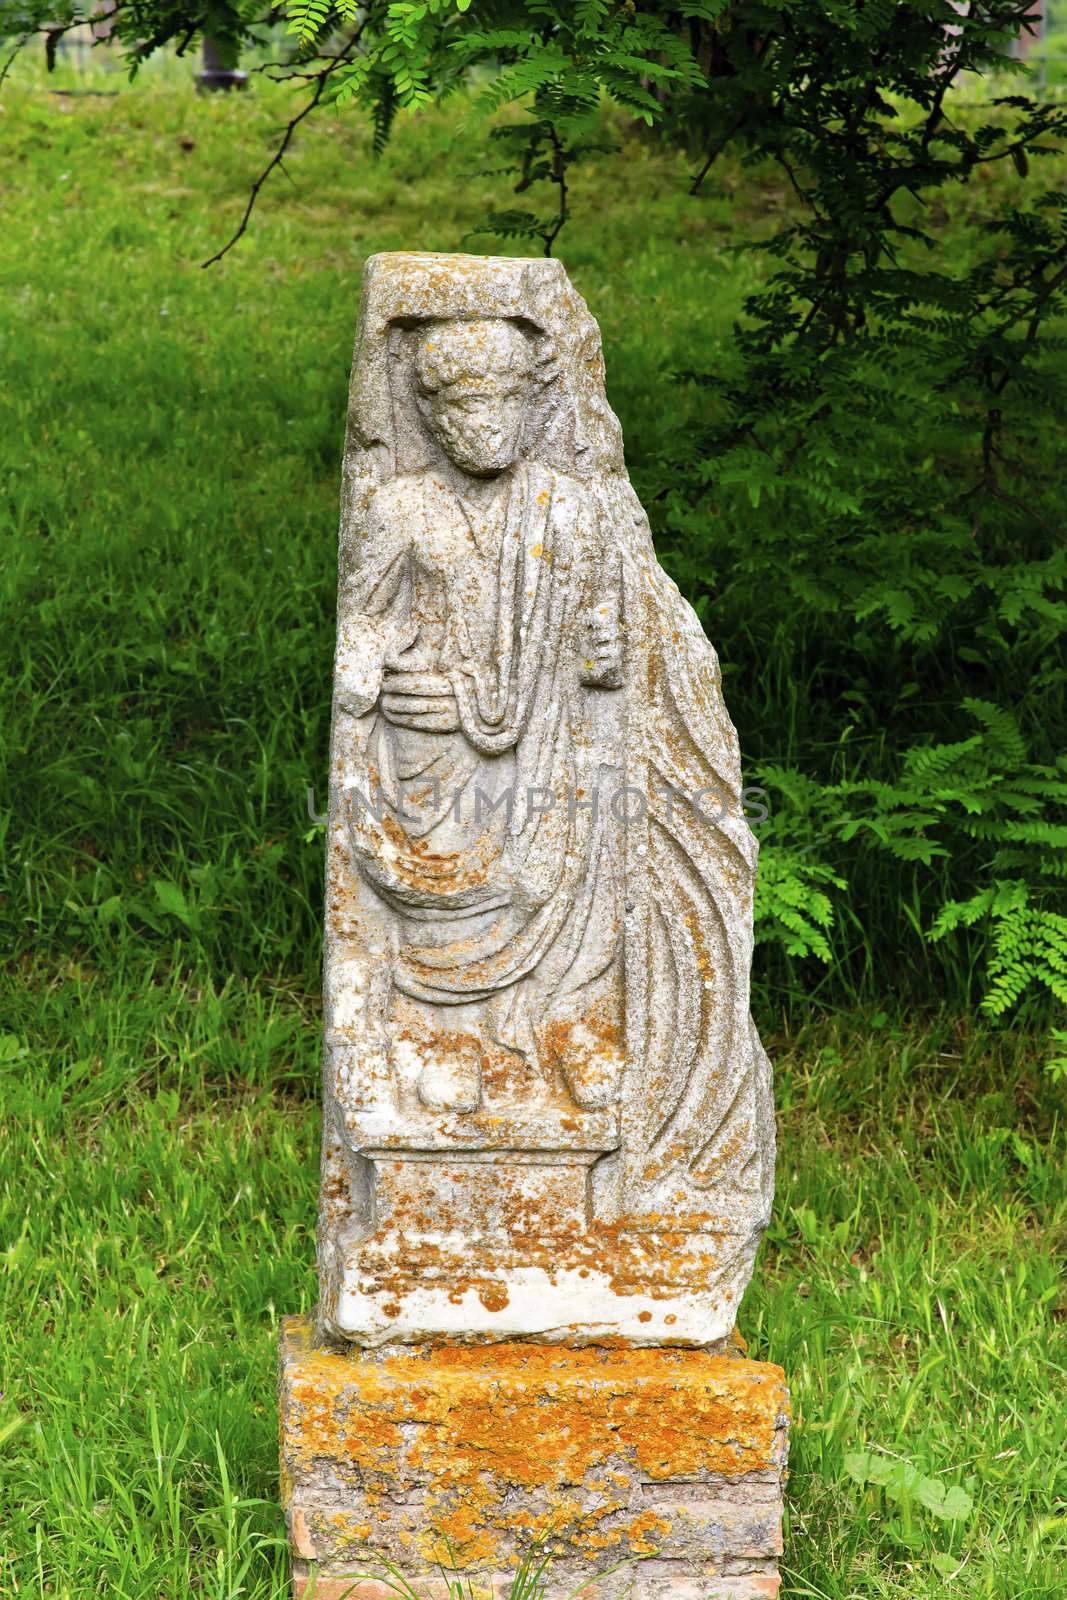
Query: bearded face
<point x="475" y="382"/>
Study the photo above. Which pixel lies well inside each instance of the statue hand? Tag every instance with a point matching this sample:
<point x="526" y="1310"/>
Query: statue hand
<point x="420" y="700"/>
<point x="363" y="648"/>
<point x="358" y="669"/>
<point x="601" y="648"/>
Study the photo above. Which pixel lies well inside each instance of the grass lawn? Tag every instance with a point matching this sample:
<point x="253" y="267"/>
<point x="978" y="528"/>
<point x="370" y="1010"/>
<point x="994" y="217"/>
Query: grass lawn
<point x="169" y="447"/>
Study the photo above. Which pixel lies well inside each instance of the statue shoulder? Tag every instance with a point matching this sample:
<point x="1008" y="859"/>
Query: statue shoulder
<point x="559" y="485"/>
<point x="397" y="497"/>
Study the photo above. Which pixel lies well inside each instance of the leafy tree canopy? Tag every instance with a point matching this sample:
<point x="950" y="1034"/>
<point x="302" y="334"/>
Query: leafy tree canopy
<point x="867" y="495"/>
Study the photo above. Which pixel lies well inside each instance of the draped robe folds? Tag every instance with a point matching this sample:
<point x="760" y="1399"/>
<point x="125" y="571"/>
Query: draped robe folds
<point x="488" y="847"/>
<point x="526" y="911"/>
<point x="697" y="1111"/>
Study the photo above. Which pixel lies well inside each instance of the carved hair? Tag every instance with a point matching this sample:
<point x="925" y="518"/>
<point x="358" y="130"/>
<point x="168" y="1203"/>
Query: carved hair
<point x="463" y="350"/>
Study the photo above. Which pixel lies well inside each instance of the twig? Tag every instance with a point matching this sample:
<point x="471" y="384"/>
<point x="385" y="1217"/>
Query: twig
<point x="278" y="157"/>
<point x="559" y="176"/>
<point x="716" y="151"/>
<point x="52" y="34"/>
<point x="275" y="161"/>
<point x="52" y="37"/>
<point x="713" y="154"/>
<point x="794" y="183"/>
<point x="304" y="58"/>
<point x="9" y="63"/>
<point x="1049" y="288"/>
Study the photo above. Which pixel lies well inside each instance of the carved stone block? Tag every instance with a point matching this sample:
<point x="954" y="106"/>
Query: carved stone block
<point x="547" y="1112"/>
<point x="659" y="1469"/>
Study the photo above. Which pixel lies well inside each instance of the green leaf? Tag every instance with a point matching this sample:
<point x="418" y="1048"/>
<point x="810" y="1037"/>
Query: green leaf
<point x="173" y="902"/>
<point x="944" y="1564"/>
<point x="912" y="1538"/>
<point x="951" y="1505"/>
<point x="865" y="1466"/>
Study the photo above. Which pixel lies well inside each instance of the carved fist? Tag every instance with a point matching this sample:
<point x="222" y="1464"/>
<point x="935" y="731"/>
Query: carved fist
<point x="420" y="700"/>
<point x="601" y="647"/>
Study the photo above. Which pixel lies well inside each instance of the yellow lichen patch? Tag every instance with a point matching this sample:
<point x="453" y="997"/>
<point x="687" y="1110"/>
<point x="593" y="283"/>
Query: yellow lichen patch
<point x="646" y="1533"/>
<point x="459" y="1532"/>
<point x="535" y="1224"/>
<point x="322" y="1431"/>
<point x="508" y="1439"/>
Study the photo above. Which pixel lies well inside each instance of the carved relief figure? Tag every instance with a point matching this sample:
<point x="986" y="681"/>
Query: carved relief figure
<point x="546" y="1110"/>
<point x="486" y="611"/>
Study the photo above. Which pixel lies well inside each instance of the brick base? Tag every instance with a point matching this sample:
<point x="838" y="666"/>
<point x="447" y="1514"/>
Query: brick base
<point x="649" y="1474"/>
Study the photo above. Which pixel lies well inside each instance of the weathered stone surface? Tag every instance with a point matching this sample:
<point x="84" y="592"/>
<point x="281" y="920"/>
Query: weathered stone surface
<point x="548" y="1135"/>
<point x="547" y="1113"/>
<point x="650" y="1580"/>
<point x="669" y="1461"/>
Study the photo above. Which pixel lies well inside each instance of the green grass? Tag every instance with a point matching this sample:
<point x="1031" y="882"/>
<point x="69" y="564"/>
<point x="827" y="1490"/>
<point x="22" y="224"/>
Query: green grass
<point x="169" y="445"/>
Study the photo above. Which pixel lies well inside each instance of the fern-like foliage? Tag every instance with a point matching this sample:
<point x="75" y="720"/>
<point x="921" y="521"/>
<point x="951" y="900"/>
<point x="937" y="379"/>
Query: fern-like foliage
<point x="792" y="906"/>
<point x="308" y="18"/>
<point x="978" y="807"/>
<point x="1028" y="947"/>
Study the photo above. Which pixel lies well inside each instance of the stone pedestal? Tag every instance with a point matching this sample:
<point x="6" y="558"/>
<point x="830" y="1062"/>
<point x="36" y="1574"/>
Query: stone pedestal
<point x="646" y="1473"/>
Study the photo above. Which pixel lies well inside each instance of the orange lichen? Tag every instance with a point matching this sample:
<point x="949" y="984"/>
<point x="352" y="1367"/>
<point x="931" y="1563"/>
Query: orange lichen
<point x="479" y="1430"/>
<point x="639" y="1531"/>
<point x="494" y="1296"/>
<point x="587" y="1052"/>
<point x="652" y="1256"/>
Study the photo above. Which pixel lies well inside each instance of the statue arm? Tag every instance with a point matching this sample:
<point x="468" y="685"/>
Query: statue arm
<point x="601" y="637"/>
<point x="374" y="619"/>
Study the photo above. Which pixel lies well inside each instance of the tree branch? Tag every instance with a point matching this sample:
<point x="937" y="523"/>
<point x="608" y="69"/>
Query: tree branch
<point x="731" y="133"/>
<point x="715" y="152"/>
<point x="321" y="79"/>
<point x="52" y="37"/>
<point x="275" y="161"/>
<point x="17" y="48"/>
<point x="559" y="177"/>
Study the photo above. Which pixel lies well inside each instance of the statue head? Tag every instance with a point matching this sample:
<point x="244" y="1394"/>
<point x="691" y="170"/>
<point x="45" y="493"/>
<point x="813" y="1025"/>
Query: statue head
<point x="474" y="381"/>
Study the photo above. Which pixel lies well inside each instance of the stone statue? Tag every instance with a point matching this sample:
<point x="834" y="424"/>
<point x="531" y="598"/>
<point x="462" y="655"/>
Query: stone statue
<point x="547" y="1128"/>
<point x="547" y="1112"/>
